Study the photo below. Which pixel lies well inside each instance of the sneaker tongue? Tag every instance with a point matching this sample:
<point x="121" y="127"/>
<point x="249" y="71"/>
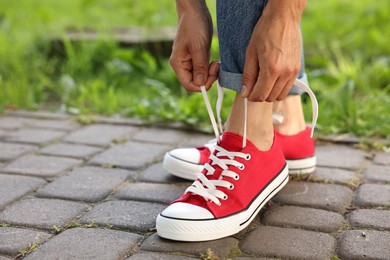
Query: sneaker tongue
<point x="231" y="142"/>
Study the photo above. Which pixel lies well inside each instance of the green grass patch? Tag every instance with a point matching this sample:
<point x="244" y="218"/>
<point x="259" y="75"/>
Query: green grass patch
<point x="346" y="47"/>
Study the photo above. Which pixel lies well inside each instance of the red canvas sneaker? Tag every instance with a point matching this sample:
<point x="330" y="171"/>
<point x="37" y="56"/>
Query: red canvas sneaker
<point x="235" y="184"/>
<point x="299" y="151"/>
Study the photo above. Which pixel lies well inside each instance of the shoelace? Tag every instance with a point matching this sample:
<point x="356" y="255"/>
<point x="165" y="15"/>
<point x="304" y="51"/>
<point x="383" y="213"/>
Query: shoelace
<point x="208" y="188"/>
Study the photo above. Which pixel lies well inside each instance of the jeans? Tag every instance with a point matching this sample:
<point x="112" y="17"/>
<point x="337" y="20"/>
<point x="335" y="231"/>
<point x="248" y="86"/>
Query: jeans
<point x="235" y="21"/>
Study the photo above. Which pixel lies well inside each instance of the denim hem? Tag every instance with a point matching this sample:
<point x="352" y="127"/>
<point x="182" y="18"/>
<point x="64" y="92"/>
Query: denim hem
<point x="233" y="81"/>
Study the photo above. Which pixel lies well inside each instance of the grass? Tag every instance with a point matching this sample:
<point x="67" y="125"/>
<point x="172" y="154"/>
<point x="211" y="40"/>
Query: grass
<point x="346" y="47"/>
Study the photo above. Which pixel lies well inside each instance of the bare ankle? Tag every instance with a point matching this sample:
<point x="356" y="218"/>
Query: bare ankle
<point x="291" y="111"/>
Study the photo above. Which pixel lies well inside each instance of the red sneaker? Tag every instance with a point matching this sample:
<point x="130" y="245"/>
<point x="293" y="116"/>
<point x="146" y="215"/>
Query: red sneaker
<point x="234" y="185"/>
<point x="299" y="151"/>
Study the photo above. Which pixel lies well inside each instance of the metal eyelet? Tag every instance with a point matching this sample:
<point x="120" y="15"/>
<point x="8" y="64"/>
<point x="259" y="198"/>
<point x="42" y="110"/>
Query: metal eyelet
<point x="231" y="187"/>
<point x="225" y="197"/>
<point x="248" y="157"/>
<point x="237" y="177"/>
<point x="241" y="167"/>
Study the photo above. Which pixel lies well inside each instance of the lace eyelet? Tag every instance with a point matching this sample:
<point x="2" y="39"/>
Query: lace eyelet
<point x="237" y="177"/>
<point x="231" y="187"/>
<point x="241" y="167"/>
<point x="225" y="197"/>
<point x="248" y="157"/>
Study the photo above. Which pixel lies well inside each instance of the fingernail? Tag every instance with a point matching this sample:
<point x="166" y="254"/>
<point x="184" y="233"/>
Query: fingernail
<point x="199" y="79"/>
<point x="244" y="91"/>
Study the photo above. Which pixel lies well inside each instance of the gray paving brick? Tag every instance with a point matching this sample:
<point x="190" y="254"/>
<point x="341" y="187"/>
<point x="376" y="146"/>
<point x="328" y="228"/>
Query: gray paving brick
<point x="130" y="215"/>
<point x="159" y="135"/>
<point x="39" y="114"/>
<point x="70" y="150"/>
<point x="288" y="243"/>
<point x="370" y="218"/>
<point x="131" y="155"/>
<point x="12" y="123"/>
<point x="4" y="258"/>
<point x="41" y="213"/>
<point x="9" y="151"/>
<point x="13" y="240"/>
<point x="334" y="175"/>
<point x="156" y="173"/>
<point x="253" y="258"/>
<point x="100" y="135"/>
<point x="158" y="256"/>
<point x="92" y="243"/>
<point x="316" y="195"/>
<point x="195" y="140"/>
<point x="221" y="247"/>
<point x="364" y="244"/>
<point x="306" y="218"/>
<point x="14" y="187"/>
<point x="3" y="133"/>
<point x="117" y="120"/>
<point x="44" y="166"/>
<point x="64" y="125"/>
<point x="377" y="173"/>
<point x="339" y="156"/>
<point x="33" y="136"/>
<point x="382" y="158"/>
<point x="163" y="193"/>
<point x="89" y="184"/>
<point x="372" y="195"/>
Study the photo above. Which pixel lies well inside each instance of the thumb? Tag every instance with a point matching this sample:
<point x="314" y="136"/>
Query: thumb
<point x="200" y="64"/>
<point x="249" y="75"/>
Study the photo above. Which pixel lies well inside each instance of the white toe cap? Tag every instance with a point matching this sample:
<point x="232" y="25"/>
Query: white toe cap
<point x="186" y="211"/>
<point x="191" y="155"/>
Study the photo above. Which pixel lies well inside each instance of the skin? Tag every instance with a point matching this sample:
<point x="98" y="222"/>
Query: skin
<point x="273" y="60"/>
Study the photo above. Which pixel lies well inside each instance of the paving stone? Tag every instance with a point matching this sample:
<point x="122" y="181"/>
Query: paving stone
<point x="44" y="166"/>
<point x="64" y="125"/>
<point x="33" y="136"/>
<point x="131" y="215"/>
<point x="221" y="247"/>
<point x="306" y="218"/>
<point x="13" y="240"/>
<point x="4" y="258"/>
<point x="159" y="135"/>
<point x="14" y="187"/>
<point x="39" y="114"/>
<point x="89" y="184"/>
<point x="370" y="218"/>
<point x="41" y="213"/>
<point x="288" y="243"/>
<point x="382" y="158"/>
<point x="91" y="243"/>
<point x="364" y="244"/>
<point x="130" y="155"/>
<point x="70" y="150"/>
<point x="334" y="175"/>
<point x="163" y="193"/>
<point x="100" y="135"/>
<point x="372" y="195"/>
<point x="316" y="195"/>
<point x="378" y="173"/>
<point x="117" y="120"/>
<point x="3" y="133"/>
<point x="12" y="123"/>
<point x="253" y="258"/>
<point x="9" y="151"/>
<point x="158" y="256"/>
<point x="195" y="140"/>
<point x="156" y="173"/>
<point x="339" y="156"/>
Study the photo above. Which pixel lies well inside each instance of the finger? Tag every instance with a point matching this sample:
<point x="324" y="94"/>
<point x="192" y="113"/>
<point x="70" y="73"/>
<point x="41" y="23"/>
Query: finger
<point x="200" y="63"/>
<point x="250" y="73"/>
<point x="286" y="90"/>
<point x="263" y="87"/>
<point x="213" y="74"/>
<point x="278" y="87"/>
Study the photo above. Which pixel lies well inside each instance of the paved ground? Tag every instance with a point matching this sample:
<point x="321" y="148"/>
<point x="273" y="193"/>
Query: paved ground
<point x="71" y="191"/>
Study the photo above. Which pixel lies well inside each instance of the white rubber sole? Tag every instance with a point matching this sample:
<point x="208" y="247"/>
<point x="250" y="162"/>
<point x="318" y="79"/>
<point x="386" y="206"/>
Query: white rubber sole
<point x="180" y="168"/>
<point x="302" y="166"/>
<point x="210" y="229"/>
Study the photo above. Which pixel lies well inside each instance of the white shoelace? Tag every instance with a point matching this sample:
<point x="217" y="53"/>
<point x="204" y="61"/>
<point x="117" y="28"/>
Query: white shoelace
<point x="208" y="189"/>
